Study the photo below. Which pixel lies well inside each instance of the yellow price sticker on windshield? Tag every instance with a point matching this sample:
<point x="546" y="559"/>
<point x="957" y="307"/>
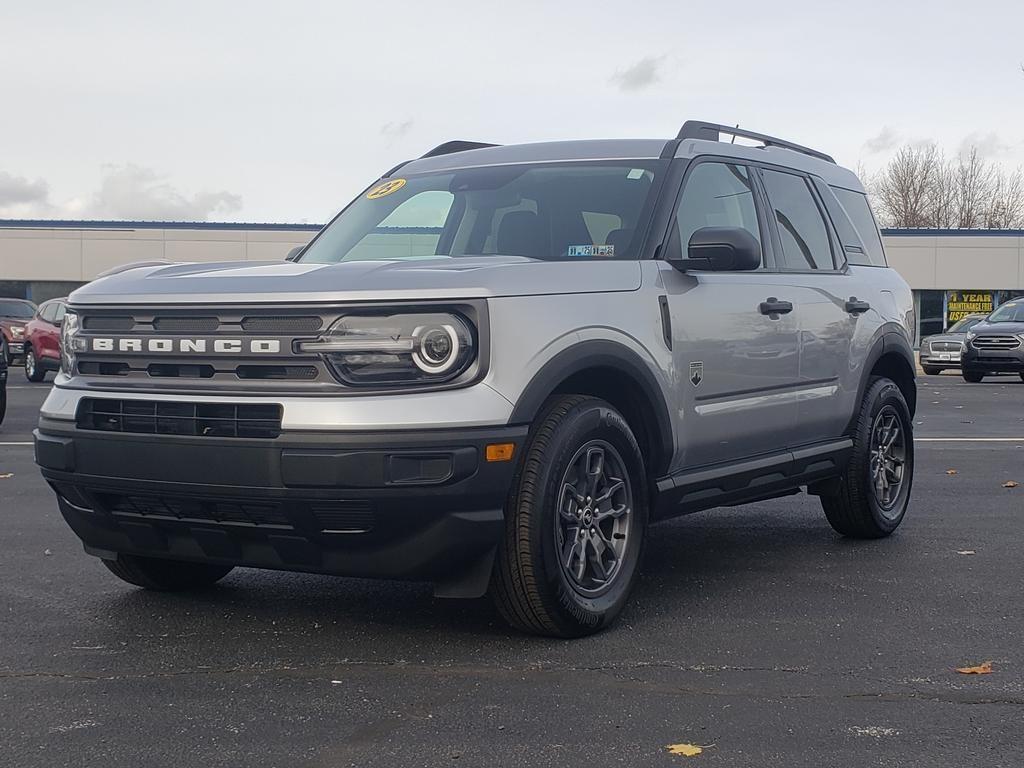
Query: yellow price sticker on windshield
<point x="385" y="189"/>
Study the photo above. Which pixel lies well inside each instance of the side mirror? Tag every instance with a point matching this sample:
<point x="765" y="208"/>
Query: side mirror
<point x="721" y="249"/>
<point x="293" y="254"/>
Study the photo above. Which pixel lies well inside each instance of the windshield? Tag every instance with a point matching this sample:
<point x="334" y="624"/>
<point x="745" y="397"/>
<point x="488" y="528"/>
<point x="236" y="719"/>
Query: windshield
<point x="19" y="309"/>
<point x="965" y="325"/>
<point x="1011" y="312"/>
<point x="568" y="211"/>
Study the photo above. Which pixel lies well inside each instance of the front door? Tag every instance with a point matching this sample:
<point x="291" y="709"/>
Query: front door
<point x="735" y="334"/>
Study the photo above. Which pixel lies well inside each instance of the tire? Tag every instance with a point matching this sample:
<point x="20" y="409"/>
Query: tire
<point x="3" y="402"/>
<point x="854" y="508"/>
<point x="931" y="370"/>
<point x="6" y="351"/>
<point x="545" y="525"/>
<point x="1022" y="375"/>
<point x="974" y="377"/>
<point x="33" y="371"/>
<point x="166" y="575"/>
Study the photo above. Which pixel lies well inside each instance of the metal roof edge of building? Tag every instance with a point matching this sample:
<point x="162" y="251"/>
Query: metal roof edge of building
<point x="925" y="232"/>
<point x="100" y="224"/>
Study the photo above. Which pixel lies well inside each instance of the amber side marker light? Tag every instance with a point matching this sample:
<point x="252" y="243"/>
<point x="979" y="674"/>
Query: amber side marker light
<point x="500" y="451"/>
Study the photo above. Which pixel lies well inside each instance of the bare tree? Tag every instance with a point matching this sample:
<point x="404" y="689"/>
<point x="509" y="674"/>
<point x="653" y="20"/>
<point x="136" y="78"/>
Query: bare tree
<point x="903" y="189"/>
<point x="920" y="187"/>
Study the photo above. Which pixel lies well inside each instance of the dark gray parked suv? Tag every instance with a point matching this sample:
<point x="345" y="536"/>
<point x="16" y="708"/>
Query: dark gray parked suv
<point x="996" y="345"/>
<point x="492" y="371"/>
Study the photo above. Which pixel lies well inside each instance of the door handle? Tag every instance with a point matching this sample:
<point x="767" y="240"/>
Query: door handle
<point x="772" y="306"/>
<point x="856" y="307"/>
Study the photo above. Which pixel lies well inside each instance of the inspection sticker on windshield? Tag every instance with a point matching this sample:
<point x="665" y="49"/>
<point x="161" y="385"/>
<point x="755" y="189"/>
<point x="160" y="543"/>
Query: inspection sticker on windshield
<point x="385" y="189"/>
<point x="605" y="251"/>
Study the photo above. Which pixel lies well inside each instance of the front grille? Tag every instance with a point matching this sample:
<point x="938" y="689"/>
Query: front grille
<point x="180" y="418"/>
<point x="175" y="349"/>
<point x="945" y="346"/>
<point x="186" y="324"/>
<point x="243" y="512"/>
<point x="996" y="342"/>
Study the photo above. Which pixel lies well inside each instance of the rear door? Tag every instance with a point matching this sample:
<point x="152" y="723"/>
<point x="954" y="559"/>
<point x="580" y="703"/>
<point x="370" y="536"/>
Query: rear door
<point x="736" y="366"/>
<point x="832" y="301"/>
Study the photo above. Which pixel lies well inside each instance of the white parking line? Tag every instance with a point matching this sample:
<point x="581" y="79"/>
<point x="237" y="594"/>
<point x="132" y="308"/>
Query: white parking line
<point x="16" y="443"/>
<point x="969" y="439"/>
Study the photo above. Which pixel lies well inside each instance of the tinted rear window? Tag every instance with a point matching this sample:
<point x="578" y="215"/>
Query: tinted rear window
<point x="856" y="206"/>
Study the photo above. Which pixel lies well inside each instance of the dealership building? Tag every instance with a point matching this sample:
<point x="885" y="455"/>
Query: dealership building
<point x="952" y="272"/>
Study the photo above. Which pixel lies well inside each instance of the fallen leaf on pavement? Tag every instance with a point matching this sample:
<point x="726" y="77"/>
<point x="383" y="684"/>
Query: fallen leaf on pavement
<point x="952" y="472"/>
<point x="687" y="750"/>
<point x="1010" y="484"/>
<point x="5" y="476"/>
<point x="985" y="668"/>
<point x="965" y="551"/>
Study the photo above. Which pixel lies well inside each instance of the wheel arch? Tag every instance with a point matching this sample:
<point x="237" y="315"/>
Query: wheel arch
<point x="891" y="356"/>
<point x="615" y="373"/>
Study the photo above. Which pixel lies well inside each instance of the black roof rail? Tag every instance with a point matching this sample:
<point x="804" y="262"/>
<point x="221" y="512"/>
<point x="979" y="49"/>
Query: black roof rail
<point x="697" y="129"/>
<point x="455" y="146"/>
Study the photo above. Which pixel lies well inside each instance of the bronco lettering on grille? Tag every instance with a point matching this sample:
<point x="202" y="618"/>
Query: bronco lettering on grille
<point x="187" y="346"/>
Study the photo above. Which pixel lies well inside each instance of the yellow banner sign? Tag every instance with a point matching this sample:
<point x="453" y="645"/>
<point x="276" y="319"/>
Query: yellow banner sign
<point x="959" y="304"/>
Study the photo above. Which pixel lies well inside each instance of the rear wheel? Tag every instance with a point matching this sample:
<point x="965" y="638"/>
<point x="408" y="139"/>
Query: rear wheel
<point x="575" y="522"/>
<point x="871" y="497"/>
<point x="165" y="575"/>
<point x="931" y="370"/>
<point x="33" y="370"/>
<point x="973" y="376"/>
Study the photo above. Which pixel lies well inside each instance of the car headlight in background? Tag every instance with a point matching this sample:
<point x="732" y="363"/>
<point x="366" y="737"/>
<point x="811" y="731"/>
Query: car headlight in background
<point x="397" y="349"/>
<point x="70" y="343"/>
<point x="17" y="332"/>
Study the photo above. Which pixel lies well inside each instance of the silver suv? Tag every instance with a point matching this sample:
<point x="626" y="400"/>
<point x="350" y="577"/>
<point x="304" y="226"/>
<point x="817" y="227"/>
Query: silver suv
<point x="494" y="370"/>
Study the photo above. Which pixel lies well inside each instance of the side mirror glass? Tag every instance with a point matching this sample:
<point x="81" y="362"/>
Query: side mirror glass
<point x="722" y="249"/>
<point x="293" y="254"/>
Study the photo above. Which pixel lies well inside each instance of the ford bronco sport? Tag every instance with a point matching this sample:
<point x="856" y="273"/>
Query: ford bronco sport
<point x="494" y="370"/>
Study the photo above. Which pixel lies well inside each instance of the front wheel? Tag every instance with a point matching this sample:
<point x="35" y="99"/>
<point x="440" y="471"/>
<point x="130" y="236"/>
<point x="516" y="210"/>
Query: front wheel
<point x="33" y="371"/>
<point x="974" y="377"/>
<point x="931" y="370"/>
<point x="575" y="522"/>
<point x="871" y="497"/>
<point x="165" y="575"/>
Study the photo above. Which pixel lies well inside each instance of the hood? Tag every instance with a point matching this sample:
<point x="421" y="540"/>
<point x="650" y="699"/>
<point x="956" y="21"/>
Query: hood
<point x="12" y="321"/>
<point x="404" y="279"/>
<point x="960" y="337"/>
<point x="1000" y="328"/>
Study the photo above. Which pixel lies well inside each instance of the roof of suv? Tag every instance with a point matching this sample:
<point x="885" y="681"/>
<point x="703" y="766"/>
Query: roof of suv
<point x="694" y="139"/>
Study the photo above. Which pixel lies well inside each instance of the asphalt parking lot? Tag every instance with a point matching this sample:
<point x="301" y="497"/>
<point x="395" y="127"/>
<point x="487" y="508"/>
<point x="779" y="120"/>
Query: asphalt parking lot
<point x="756" y="633"/>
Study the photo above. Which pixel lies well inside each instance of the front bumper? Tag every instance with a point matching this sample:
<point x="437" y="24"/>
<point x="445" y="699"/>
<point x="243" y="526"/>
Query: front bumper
<point x="16" y="348"/>
<point x="939" y="359"/>
<point x="993" y="360"/>
<point x="421" y="505"/>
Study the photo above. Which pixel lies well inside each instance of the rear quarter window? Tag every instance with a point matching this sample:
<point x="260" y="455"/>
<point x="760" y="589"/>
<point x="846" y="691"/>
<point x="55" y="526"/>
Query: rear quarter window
<point x="855" y="204"/>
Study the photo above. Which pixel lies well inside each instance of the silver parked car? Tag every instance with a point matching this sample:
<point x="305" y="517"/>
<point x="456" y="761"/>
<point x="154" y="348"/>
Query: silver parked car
<point x="943" y="350"/>
<point x="494" y="370"/>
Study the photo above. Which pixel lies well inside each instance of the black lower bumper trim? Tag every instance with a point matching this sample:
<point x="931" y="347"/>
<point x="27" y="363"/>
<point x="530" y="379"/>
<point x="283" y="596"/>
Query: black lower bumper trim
<point x="422" y="506"/>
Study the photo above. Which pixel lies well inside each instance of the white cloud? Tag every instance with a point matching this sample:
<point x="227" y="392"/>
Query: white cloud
<point x="135" y="192"/>
<point x="396" y="130"/>
<point x="884" y="140"/>
<point x="989" y="145"/>
<point x="639" y="75"/>
<point x="20" y="197"/>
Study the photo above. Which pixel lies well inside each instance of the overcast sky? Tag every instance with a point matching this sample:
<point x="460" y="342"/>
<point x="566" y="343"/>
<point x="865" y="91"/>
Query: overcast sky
<point x="283" y="111"/>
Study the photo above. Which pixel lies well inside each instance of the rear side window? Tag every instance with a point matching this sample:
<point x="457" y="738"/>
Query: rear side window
<point x="856" y="206"/>
<point x="805" y="240"/>
<point x="47" y="312"/>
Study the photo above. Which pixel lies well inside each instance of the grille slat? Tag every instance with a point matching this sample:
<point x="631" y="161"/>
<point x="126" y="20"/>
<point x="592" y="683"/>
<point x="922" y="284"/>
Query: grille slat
<point x="184" y="509"/>
<point x="186" y="324"/>
<point x="180" y="418"/>
<point x="996" y="342"/>
<point x="946" y="346"/>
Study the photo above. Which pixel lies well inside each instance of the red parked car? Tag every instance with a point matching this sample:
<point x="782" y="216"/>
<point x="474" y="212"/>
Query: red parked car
<point x="42" y="339"/>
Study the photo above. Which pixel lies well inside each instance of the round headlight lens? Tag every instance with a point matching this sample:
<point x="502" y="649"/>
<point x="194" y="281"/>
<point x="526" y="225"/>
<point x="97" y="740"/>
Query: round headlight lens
<point x="437" y="348"/>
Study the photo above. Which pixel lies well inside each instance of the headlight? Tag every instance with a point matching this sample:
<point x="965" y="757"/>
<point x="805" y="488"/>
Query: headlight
<point x="70" y="343"/>
<point x="971" y="335"/>
<point x="390" y="350"/>
<point x="17" y="331"/>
